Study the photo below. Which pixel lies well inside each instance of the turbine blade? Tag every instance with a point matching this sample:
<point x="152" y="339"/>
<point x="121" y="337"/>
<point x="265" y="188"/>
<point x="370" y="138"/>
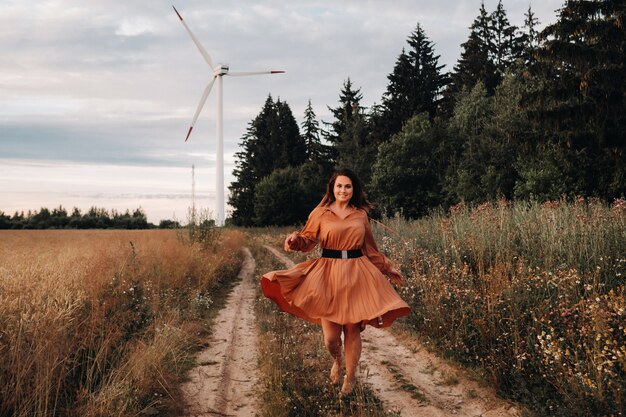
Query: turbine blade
<point x="203" y="99"/>
<point x="195" y="40"/>
<point x="244" y="74"/>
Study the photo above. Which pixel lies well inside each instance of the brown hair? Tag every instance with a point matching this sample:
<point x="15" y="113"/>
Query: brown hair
<point x="359" y="198"/>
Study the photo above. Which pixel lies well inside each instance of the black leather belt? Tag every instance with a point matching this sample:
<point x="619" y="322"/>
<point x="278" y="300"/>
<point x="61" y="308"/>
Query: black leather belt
<point x="342" y="254"/>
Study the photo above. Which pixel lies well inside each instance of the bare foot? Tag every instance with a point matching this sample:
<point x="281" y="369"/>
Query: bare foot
<point x="348" y="385"/>
<point x="335" y="371"/>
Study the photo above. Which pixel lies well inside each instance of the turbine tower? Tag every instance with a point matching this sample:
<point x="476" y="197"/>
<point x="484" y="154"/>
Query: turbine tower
<point x="218" y="72"/>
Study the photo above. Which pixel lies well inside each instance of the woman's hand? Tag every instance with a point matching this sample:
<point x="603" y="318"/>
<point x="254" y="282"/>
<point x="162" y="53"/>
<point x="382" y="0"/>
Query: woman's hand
<point x="290" y="241"/>
<point x="395" y="277"/>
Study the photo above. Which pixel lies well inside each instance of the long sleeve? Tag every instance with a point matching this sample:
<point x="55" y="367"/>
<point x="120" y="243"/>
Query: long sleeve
<point x="371" y="251"/>
<point x="308" y="235"/>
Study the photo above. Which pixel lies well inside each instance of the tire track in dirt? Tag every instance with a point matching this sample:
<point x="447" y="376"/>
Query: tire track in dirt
<point x="224" y="382"/>
<point x="417" y="383"/>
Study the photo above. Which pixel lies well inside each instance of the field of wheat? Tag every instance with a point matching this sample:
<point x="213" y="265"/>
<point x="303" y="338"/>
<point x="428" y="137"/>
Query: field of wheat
<point x="105" y="323"/>
<point x="530" y="295"/>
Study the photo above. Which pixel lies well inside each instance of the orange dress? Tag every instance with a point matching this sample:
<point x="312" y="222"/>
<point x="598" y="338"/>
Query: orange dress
<point x="339" y="290"/>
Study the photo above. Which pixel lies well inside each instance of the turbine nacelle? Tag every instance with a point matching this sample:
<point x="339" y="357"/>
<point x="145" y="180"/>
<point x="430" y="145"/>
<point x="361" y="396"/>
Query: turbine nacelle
<point x="220" y="69"/>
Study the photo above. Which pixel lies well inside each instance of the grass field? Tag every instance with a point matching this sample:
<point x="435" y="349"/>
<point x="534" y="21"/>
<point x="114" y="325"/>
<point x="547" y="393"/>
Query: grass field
<point x="530" y="295"/>
<point x="105" y="323"/>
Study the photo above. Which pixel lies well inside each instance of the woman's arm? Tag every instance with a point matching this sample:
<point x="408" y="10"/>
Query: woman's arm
<point x="306" y="239"/>
<point x="379" y="260"/>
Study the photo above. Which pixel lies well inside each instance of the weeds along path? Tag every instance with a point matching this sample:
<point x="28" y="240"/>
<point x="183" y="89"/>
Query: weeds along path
<point x="223" y="383"/>
<point x="415" y="382"/>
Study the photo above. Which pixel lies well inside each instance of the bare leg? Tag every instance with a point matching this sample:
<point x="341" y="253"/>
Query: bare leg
<point x="332" y="339"/>
<point x="352" y="336"/>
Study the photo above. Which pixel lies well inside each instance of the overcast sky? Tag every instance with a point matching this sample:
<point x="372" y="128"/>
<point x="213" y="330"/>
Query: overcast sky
<point x="96" y="96"/>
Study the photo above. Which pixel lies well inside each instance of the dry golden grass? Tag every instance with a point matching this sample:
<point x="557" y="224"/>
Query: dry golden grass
<point x="103" y="323"/>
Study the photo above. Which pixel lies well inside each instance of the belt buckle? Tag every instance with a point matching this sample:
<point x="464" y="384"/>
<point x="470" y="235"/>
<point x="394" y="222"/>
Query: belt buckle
<point x="344" y="254"/>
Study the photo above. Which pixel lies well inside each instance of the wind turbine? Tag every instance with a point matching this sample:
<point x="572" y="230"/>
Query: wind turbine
<point x="218" y="72"/>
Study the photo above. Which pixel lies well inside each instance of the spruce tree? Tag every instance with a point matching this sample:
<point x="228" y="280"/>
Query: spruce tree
<point x="415" y="86"/>
<point x="396" y="102"/>
<point x="584" y="56"/>
<point x="529" y="38"/>
<point x="476" y="61"/>
<point x="343" y="117"/>
<point x="349" y="105"/>
<point x="286" y="139"/>
<point x="507" y="42"/>
<point x="242" y="189"/>
<point x="353" y="150"/>
<point x="426" y="80"/>
<point x="272" y="141"/>
<point x="310" y="128"/>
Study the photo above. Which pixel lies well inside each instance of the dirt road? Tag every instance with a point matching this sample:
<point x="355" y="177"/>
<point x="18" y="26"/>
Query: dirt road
<point x="223" y="384"/>
<point x="409" y="379"/>
<point x="417" y="383"/>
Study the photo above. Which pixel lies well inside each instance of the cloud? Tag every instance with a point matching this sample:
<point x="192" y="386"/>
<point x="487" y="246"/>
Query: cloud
<point x="135" y="26"/>
<point x="97" y="84"/>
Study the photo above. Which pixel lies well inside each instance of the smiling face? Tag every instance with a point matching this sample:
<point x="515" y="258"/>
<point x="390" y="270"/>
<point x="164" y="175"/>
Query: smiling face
<point x="343" y="190"/>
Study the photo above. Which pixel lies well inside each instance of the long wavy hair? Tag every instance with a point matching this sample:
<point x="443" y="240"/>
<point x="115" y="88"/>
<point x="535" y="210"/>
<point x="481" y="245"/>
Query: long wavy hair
<point x="359" y="198"/>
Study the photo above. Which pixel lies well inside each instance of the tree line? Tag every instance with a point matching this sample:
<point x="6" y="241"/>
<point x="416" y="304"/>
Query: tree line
<point x="523" y="115"/>
<point x="94" y="218"/>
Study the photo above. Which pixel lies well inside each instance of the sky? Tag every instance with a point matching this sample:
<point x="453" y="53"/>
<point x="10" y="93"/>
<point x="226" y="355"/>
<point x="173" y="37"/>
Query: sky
<point x="96" y="96"/>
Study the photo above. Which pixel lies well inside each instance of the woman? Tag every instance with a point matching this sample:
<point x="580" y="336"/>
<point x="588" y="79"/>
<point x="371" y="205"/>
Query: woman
<point x="346" y="288"/>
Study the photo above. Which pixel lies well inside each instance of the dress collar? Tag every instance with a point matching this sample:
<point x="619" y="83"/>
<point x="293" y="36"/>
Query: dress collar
<point x="327" y="208"/>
